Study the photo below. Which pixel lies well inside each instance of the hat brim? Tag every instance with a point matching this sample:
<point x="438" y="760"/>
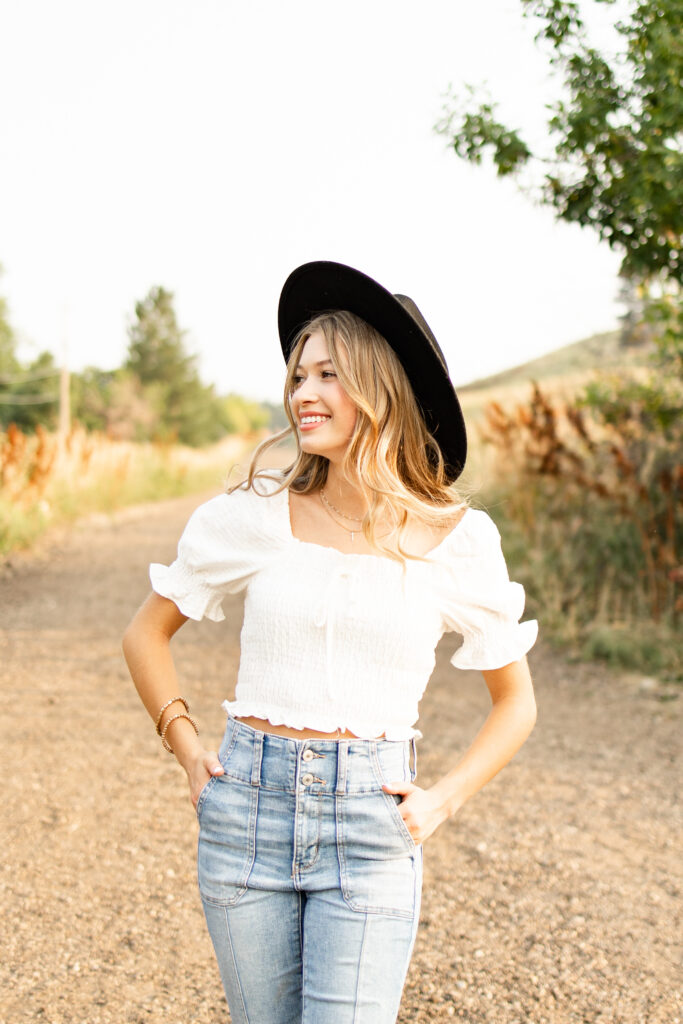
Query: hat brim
<point x="324" y="286"/>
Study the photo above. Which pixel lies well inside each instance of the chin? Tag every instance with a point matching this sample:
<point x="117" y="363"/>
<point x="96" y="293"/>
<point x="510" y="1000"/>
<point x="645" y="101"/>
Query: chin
<point x="311" y="448"/>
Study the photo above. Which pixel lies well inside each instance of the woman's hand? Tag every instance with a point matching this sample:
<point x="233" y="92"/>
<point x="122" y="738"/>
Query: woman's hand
<point x="509" y="722"/>
<point x="203" y="766"/>
<point x="420" y="809"/>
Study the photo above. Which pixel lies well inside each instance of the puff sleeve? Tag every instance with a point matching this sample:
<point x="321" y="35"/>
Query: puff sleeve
<point x="226" y="541"/>
<point x="481" y="603"/>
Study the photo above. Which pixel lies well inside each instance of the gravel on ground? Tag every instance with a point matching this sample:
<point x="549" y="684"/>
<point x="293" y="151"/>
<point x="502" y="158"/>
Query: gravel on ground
<point x="552" y="898"/>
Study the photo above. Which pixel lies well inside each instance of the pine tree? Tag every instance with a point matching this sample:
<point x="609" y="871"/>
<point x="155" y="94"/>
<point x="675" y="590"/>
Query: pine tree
<point x="186" y="410"/>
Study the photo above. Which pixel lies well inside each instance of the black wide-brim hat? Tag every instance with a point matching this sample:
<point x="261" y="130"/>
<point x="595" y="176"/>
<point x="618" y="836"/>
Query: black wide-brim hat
<point x="323" y="287"/>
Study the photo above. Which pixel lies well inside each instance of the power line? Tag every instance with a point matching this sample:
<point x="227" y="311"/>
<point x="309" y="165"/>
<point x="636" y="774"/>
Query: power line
<point x="27" y="399"/>
<point x="7" y="379"/>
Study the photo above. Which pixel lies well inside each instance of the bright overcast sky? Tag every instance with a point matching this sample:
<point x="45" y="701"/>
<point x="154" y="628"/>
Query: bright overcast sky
<point x="211" y="146"/>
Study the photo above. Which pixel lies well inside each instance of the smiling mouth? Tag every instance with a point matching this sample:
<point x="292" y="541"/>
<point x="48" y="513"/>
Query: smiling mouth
<point x="312" y="421"/>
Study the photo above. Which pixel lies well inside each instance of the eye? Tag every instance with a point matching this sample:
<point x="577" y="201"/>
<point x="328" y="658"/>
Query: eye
<point x="296" y="382"/>
<point x="328" y="373"/>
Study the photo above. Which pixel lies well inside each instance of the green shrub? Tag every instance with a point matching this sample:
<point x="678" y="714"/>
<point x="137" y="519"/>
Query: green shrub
<point x="589" y="497"/>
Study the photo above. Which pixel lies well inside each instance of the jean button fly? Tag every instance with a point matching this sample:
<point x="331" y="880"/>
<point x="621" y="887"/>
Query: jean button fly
<point x="308" y="755"/>
<point x="306" y="779"/>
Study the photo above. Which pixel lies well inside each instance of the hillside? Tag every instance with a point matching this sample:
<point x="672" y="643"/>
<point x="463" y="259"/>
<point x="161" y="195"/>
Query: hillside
<point x="562" y="371"/>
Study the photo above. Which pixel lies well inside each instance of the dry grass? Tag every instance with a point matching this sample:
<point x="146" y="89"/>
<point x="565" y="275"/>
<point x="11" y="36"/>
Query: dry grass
<point x="593" y="515"/>
<point x="46" y="480"/>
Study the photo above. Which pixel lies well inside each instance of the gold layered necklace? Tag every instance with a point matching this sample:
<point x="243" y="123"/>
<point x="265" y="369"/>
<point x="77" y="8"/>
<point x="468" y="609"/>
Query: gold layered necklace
<point x="330" y="508"/>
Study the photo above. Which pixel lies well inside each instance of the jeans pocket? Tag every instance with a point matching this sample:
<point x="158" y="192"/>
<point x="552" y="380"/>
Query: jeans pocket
<point x="223" y="757"/>
<point x="397" y="771"/>
<point x="226" y="846"/>
<point x="392" y="803"/>
<point x="203" y="793"/>
<point x="377" y="856"/>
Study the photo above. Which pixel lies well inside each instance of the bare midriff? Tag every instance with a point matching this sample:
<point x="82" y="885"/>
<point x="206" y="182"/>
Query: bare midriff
<point x="263" y="725"/>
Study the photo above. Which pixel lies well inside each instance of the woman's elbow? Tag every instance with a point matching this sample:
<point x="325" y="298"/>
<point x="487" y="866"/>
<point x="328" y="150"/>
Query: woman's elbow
<point x="138" y="632"/>
<point x="527" y="697"/>
<point x="131" y="640"/>
<point x="154" y="624"/>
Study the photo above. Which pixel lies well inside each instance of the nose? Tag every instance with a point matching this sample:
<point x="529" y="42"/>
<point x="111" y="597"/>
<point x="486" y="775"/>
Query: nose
<point x="307" y="391"/>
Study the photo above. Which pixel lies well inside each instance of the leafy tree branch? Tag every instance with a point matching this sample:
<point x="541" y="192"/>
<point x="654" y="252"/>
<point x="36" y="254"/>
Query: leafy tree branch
<point x="615" y="162"/>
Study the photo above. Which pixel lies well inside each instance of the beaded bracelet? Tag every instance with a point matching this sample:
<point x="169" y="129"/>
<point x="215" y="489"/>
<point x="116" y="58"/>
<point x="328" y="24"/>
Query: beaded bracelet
<point x="164" y="741"/>
<point x="167" y="705"/>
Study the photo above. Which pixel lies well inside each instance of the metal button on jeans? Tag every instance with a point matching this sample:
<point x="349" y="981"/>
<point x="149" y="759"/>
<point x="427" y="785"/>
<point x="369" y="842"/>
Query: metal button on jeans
<point x="306" y="779"/>
<point x="308" y="755"/>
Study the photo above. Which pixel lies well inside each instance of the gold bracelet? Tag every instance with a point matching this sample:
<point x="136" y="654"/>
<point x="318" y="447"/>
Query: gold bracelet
<point x="164" y="741"/>
<point x="167" y="705"/>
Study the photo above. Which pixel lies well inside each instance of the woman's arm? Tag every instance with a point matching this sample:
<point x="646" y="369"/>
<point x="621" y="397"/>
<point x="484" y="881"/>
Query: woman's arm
<point x="146" y="646"/>
<point x="509" y="722"/>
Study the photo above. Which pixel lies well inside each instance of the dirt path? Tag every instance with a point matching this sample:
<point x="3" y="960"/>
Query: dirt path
<point x="553" y="898"/>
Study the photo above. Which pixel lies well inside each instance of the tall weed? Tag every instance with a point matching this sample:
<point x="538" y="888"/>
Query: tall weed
<point x="594" y="525"/>
<point x="45" y="480"/>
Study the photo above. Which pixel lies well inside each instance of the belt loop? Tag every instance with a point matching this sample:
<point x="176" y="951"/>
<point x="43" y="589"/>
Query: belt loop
<point x="257" y="758"/>
<point x="413" y="770"/>
<point x="342" y="760"/>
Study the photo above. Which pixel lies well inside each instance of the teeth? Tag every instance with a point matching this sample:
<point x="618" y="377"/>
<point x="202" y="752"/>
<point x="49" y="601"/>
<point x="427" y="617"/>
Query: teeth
<point x="314" y="419"/>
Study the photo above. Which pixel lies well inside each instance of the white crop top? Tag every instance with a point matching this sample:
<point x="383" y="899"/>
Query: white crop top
<point x="335" y="640"/>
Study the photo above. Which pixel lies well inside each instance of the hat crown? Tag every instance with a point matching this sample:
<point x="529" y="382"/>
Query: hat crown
<point x="411" y="307"/>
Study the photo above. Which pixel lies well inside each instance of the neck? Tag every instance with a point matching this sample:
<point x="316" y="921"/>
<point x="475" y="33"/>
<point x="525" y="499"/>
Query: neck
<point x="344" y="493"/>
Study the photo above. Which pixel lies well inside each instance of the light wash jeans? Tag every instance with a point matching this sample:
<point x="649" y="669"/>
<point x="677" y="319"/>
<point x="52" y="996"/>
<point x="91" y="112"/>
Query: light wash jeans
<point x="309" y="878"/>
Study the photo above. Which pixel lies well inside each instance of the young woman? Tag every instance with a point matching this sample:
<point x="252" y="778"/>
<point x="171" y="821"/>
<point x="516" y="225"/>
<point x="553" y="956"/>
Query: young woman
<point x="354" y="560"/>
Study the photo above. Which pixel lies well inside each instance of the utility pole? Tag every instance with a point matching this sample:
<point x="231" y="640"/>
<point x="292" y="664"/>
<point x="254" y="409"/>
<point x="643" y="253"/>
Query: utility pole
<point x="64" y="426"/>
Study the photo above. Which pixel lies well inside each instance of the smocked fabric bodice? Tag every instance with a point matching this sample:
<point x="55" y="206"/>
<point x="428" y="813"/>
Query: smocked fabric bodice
<point x="336" y="640"/>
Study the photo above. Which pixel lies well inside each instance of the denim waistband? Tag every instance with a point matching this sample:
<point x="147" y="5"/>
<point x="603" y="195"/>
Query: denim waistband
<point x="324" y="766"/>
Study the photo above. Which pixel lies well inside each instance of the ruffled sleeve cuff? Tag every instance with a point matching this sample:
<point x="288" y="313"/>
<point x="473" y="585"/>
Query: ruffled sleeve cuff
<point x="192" y="597"/>
<point x="481" y="603"/>
<point x="507" y="644"/>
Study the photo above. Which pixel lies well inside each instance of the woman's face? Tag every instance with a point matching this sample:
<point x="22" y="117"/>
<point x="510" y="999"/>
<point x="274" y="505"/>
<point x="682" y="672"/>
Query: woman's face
<point x="324" y="413"/>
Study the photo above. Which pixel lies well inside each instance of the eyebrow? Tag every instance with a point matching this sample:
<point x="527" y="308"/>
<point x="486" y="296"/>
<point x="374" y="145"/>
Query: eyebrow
<point x="321" y="362"/>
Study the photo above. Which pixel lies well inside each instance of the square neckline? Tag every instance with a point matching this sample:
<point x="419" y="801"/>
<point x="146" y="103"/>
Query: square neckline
<point x="426" y="556"/>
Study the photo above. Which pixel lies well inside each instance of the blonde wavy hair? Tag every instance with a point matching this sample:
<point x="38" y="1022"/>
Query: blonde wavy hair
<point x="391" y="454"/>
